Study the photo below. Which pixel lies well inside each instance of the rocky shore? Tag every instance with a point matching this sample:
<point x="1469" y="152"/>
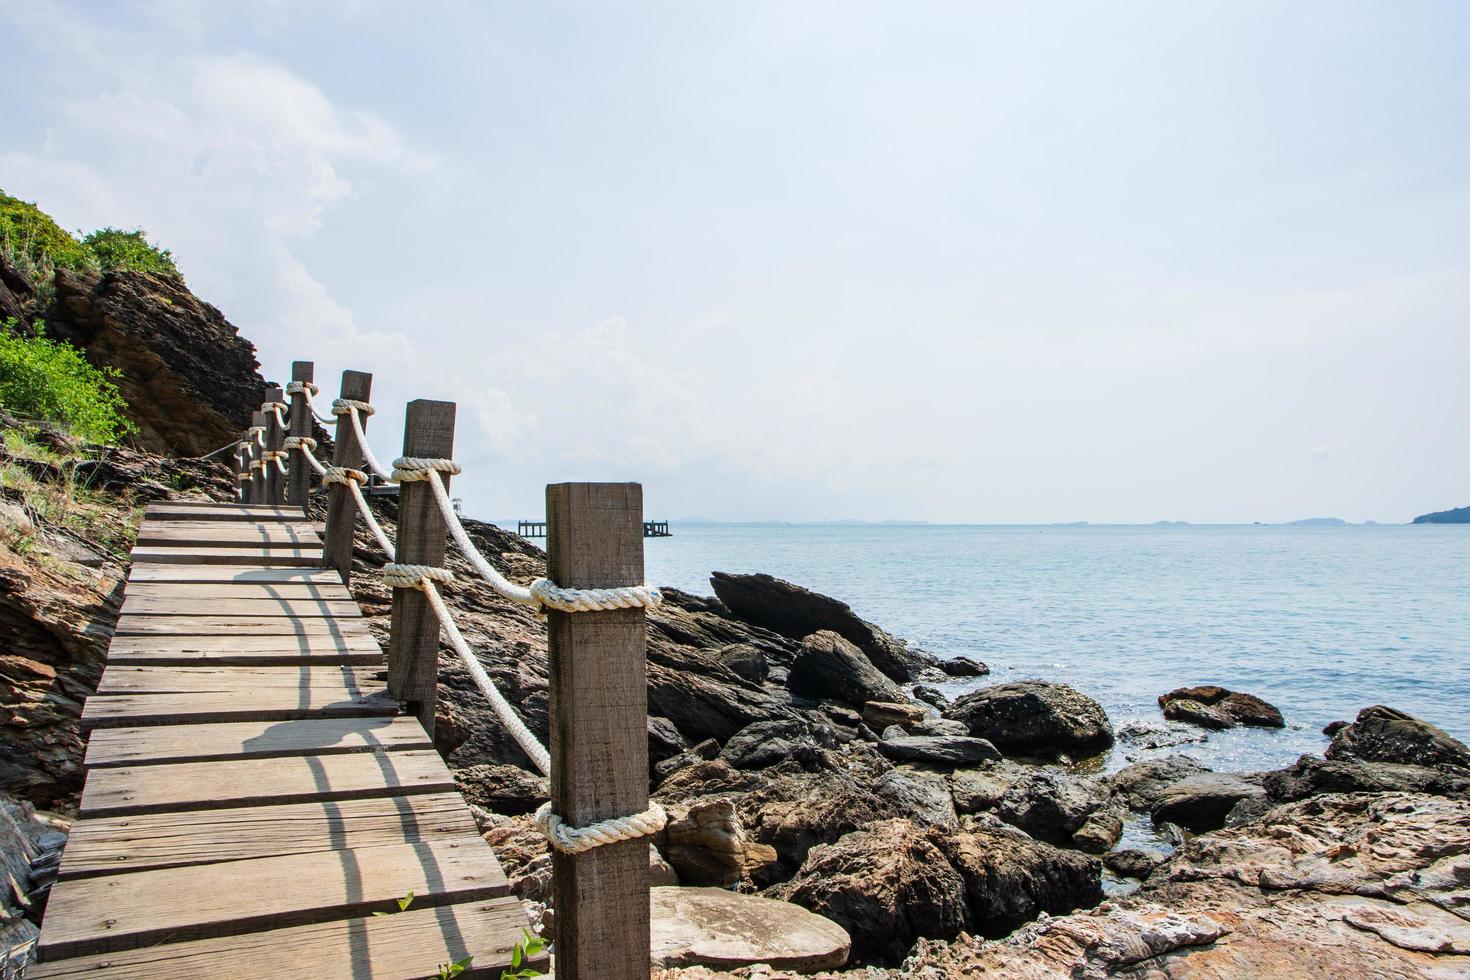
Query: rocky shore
<point x="805" y="755"/>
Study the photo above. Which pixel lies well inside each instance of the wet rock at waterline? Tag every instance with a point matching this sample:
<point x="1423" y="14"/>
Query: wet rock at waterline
<point x="1383" y="734"/>
<point x="1211" y="706"/>
<point x="1202" y="802"/>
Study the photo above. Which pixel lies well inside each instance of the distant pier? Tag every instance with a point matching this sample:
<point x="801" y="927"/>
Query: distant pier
<point x="537" y="529"/>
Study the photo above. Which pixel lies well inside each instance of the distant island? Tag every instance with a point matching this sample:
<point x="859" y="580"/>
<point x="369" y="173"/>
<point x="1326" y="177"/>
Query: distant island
<point x="1318" y="522"/>
<point x="1171" y="524"/>
<point x="1460" y="515"/>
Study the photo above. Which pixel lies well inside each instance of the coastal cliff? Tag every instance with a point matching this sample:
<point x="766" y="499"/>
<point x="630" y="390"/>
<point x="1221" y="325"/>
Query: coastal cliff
<point x="1457" y="515"/>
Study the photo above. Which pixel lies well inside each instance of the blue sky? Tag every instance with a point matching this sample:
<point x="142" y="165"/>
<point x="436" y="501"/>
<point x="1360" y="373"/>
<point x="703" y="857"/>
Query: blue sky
<point x="949" y="261"/>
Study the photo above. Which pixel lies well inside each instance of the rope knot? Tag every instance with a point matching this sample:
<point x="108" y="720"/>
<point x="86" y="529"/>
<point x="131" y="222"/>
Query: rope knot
<point x="549" y="595"/>
<point x="346" y="406"/>
<point x="242" y="477"/>
<point x="271" y="454"/>
<point x="574" y="840"/>
<point x="301" y="388"/>
<point x="406" y="576"/>
<point x="343" y="475"/>
<point x="408" y="469"/>
<point x="300" y="442"/>
<point x="274" y="406"/>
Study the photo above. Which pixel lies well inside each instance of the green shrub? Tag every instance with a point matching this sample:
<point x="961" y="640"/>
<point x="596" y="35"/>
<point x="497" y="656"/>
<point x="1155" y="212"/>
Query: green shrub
<point x="130" y="250"/>
<point x="50" y="380"/>
<point x="36" y="244"/>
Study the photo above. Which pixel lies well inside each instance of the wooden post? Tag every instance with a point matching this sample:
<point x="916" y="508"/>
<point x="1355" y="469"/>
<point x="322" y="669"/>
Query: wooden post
<point x="599" y="739"/>
<point x="298" y="486"/>
<point x="341" y="510"/>
<point x="257" y="475"/>
<point x="275" y="437"/>
<point x="242" y="468"/>
<point x="413" y="643"/>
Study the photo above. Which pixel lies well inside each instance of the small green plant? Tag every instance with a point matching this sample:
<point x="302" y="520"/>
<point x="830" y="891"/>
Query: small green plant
<point x="51" y="381"/>
<point x="115" y="248"/>
<point x="524" y="949"/>
<point x="449" y="970"/>
<point x="32" y="240"/>
<point x="403" y="904"/>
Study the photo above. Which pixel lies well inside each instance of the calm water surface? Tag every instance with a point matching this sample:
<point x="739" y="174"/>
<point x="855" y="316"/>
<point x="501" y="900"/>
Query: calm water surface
<point x="1318" y="621"/>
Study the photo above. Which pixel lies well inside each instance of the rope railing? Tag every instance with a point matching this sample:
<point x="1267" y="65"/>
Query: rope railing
<point x="426" y="520"/>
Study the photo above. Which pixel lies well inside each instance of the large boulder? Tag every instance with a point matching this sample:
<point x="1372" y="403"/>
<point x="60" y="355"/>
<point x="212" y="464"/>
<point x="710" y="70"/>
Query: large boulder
<point x="830" y="666"/>
<point x="1216" y="707"/>
<point x="795" y="612"/>
<point x="1201" y="803"/>
<point x="1383" y="734"/>
<point x="921" y="796"/>
<point x="767" y="743"/>
<point x="707" y="845"/>
<point x="189" y="378"/>
<point x="1035" y="718"/>
<point x="722" y="929"/>
<point x="945" y="751"/>
<point x="703" y="698"/>
<point x="507" y="790"/>
<point x="1050" y="805"/>
<point x="895" y="881"/>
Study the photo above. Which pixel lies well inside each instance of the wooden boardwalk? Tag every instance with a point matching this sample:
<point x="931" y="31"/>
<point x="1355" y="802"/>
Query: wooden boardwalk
<point x="252" y="794"/>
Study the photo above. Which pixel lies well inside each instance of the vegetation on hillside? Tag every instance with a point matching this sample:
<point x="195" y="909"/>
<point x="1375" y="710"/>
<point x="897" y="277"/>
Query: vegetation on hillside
<point x="32" y="241"/>
<point x="50" y="381"/>
<point x="1458" y="515"/>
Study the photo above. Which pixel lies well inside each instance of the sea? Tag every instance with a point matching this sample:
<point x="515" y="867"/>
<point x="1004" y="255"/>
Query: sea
<point x="1319" y="621"/>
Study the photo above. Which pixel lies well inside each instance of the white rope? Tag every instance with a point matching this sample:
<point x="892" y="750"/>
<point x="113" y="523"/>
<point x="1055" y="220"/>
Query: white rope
<point x="574" y="840"/>
<point x="307" y="444"/>
<point x="543" y="592"/>
<point x="278" y="408"/>
<point x="311" y="390"/>
<point x="354" y="409"/>
<point x="372" y="522"/>
<point x="301" y="388"/>
<point x="257" y="432"/>
<point x="423" y="577"/>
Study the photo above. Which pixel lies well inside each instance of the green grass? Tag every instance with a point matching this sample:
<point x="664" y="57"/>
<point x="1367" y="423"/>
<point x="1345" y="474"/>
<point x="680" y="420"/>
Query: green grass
<point x="115" y="248"/>
<point x="51" y="381"/>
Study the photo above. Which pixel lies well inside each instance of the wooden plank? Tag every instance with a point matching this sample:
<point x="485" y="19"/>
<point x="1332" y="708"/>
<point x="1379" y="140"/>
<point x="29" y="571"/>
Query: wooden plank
<point x="233" y="626"/>
<point x="144" y="841"/>
<point x="269" y="536"/>
<point x="183" y="510"/>
<point x="95" y="915"/>
<point x="242" y="654"/>
<point x="329" y="681"/>
<point x="256" y="607"/>
<point x="272" y="704"/>
<point x="277" y="557"/>
<point x="598" y="717"/>
<point x="401" y="946"/>
<point x="413" y="643"/>
<point x="231" y="529"/>
<point x="236" y="590"/>
<point x="112" y="747"/>
<point x="259" y="575"/>
<point x="217" y="644"/>
<point x="262" y="782"/>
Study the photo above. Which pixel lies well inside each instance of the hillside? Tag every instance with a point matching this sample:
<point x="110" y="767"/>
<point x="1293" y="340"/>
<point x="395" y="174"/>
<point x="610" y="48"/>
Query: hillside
<point x="1459" y="515"/>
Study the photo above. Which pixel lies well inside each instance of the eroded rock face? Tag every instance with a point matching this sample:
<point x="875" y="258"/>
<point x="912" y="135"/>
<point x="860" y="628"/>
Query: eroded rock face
<point x="189" y="378"/>
<point x="1383" y="734"/>
<point x="896" y="881"/>
<point x="1311" y="776"/>
<point x="1212" y="706"/>
<point x="1035" y="718"/>
<point x="795" y="612"/>
<point x="707" y="845"/>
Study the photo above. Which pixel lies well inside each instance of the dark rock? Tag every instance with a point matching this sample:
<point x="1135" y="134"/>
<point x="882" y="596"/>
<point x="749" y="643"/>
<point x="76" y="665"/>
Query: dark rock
<point x="831" y="667"/>
<point x="1383" y="734"/>
<point x="1311" y="776"/>
<point x="1139" y="785"/>
<point x="767" y="743"/>
<point x="1050" y="805"/>
<point x="189" y="378"/>
<point x="931" y="695"/>
<point x="949" y="751"/>
<point x="977" y="790"/>
<point x="1333" y="727"/>
<point x="1217" y="707"/>
<point x="1157" y="735"/>
<point x="1201" y="803"/>
<point x="1035" y="718"/>
<point x="895" y="882"/>
<point x="963" y="667"/>
<point x="1248" y="810"/>
<point x="1099" y="832"/>
<point x="702" y="697"/>
<point x="795" y="612"/>
<point x="16" y="294"/>
<point x="920" y="796"/>
<point x="939" y="726"/>
<point x="506" y="790"/>
<point x="747" y="660"/>
<point x="703" y="752"/>
<point x="1133" y="863"/>
<point x="1196" y="713"/>
<point x="664" y="740"/>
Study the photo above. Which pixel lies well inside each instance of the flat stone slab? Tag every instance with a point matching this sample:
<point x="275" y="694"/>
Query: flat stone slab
<point x="718" y="928"/>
